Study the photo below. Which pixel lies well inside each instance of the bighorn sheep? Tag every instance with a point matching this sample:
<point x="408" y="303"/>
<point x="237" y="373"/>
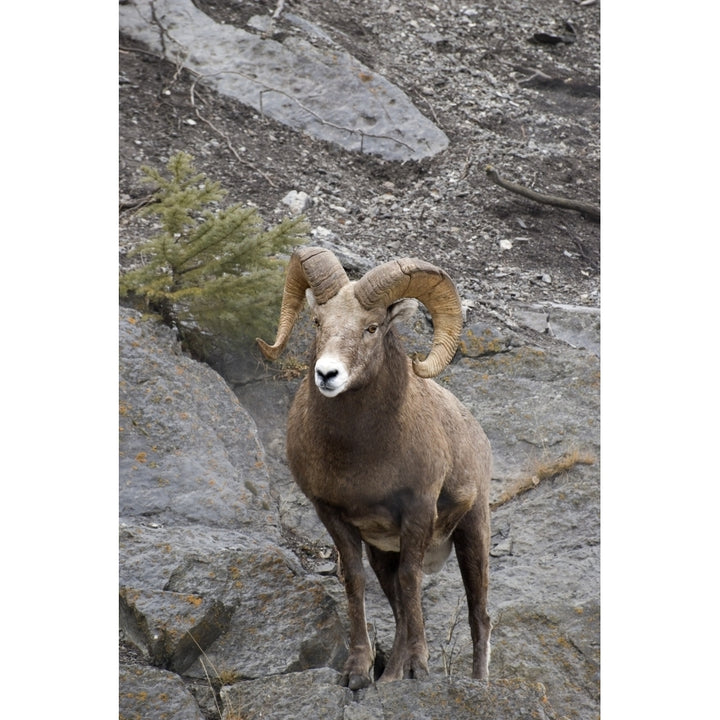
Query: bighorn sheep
<point x="385" y="454"/>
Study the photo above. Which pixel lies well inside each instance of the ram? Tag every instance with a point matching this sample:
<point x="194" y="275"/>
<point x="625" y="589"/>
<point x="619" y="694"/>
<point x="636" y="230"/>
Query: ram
<point x="386" y="455"/>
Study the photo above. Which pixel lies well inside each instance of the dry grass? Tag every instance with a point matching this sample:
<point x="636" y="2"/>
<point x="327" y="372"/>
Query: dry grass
<point x="226" y="677"/>
<point x="448" y="648"/>
<point x="544" y="470"/>
<point x="291" y="368"/>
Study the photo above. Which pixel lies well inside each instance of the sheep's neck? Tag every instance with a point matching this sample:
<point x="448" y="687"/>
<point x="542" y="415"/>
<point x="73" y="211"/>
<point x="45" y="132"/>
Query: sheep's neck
<point x="369" y="411"/>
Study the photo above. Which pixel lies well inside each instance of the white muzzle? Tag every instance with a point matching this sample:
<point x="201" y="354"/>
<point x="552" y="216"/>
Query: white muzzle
<point x="331" y="375"/>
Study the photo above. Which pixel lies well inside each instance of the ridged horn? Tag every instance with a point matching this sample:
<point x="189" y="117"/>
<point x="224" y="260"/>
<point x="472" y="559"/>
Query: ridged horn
<point x="412" y="278"/>
<point x="315" y="268"/>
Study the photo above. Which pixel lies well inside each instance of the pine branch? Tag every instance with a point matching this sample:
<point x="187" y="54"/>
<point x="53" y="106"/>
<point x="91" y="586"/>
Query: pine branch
<point x="209" y="271"/>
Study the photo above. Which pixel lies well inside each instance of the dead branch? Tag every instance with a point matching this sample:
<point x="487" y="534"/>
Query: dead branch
<point x="321" y="120"/>
<point x="592" y="211"/>
<point x="544" y="471"/>
<point x="222" y="134"/>
<point x="447" y="648"/>
<point x="179" y="67"/>
<point x="137" y="203"/>
<point x="535" y="74"/>
<point x="125" y="50"/>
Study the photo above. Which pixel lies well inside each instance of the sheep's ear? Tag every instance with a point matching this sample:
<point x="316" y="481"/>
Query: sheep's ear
<point x="402" y="310"/>
<point x="311" y="301"/>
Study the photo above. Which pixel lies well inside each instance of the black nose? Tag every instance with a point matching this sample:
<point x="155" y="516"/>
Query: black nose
<point x="324" y="377"/>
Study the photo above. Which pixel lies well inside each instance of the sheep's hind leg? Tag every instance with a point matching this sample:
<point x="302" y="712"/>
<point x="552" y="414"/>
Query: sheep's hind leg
<point x="472" y="544"/>
<point x="385" y="566"/>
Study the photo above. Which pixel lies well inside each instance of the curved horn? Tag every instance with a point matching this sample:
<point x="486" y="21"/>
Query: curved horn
<point x="412" y="278"/>
<point x="315" y="268"/>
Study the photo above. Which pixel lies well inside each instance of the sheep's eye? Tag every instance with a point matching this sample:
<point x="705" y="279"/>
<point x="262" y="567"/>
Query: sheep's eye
<point x="371" y="328"/>
<point x="316" y="320"/>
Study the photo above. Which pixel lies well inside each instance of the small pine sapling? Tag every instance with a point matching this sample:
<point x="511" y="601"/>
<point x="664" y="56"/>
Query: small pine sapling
<point x="209" y="270"/>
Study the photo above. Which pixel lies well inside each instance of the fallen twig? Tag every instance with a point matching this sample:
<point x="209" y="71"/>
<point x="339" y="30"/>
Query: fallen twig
<point x="535" y="74"/>
<point x="137" y="203"/>
<point x="592" y="211"/>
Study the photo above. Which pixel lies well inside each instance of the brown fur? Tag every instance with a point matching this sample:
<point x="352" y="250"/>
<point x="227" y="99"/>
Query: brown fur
<point x="394" y="460"/>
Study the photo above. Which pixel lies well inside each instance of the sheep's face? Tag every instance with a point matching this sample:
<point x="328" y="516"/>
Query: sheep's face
<point x="349" y="344"/>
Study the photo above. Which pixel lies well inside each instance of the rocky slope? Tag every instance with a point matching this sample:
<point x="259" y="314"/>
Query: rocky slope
<point x="218" y="550"/>
<point x="529" y="108"/>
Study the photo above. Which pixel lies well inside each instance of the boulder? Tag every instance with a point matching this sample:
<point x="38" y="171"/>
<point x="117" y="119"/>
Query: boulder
<point x="290" y="70"/>
<point x="147" y="693"/>
<point x="203" y="577"/>
<point x="189" y="453"/>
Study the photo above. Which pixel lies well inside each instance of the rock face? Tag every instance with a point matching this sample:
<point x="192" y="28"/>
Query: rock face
<point x="229" y="601"/>
<point x="316" y="693"/>
<point x="190" y="454"/>
<point x="290" y="70"/>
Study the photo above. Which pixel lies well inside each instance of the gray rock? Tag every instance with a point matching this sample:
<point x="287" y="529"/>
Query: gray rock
<point x="296" y="201"/>
<point x="535" y="318"/>
<point x="189" y="453"/>
<point x="315" y="87"/>
<point x="147" y="693"/>
<point x="312" y="30"/>
<point x="171" y="628"/>
<point x="201" y="568"/>
<point x="283" y="620"/>
<point x="576" y="325"/>
<point x="535" y="403"/>
<point x="309" y="694"/>
<point x="355" y="264"/>
<point x="316" y="693"/>
<point x="478" y="339"/>
<point x="545" y="593"/>
<point x="462" y="699"/>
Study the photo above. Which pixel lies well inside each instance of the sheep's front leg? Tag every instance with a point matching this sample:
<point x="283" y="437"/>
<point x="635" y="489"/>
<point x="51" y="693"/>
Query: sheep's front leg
<point x="356" y="673"/>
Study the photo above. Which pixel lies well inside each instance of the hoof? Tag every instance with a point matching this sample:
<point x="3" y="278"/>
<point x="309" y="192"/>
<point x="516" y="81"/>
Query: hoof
<point x="413" y="668"/>
<point x="356" y="673"/>
<point x="356" y="681"/>
<point x="418" y="672"/>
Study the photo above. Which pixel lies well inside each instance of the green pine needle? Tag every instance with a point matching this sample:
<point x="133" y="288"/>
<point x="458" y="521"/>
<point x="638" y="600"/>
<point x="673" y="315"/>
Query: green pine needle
<point x="213" y="269"/>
